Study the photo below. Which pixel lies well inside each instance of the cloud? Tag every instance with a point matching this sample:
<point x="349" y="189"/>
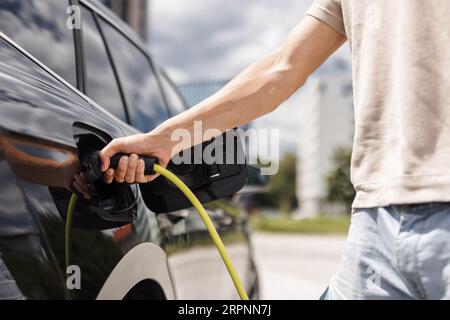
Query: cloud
<point x="215" y="39"/>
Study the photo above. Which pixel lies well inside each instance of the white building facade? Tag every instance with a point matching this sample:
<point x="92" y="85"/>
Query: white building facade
<point x="326" y="123"/>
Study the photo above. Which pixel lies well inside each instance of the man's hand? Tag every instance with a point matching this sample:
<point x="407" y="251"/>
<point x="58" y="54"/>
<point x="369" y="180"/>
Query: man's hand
<point x="130" y="168"/>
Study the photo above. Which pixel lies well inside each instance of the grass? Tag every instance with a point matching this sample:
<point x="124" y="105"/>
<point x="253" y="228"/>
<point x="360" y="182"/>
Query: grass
<point x="320" y="225"/>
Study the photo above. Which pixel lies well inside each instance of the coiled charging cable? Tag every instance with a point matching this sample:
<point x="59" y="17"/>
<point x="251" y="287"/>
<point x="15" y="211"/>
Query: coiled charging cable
<point x="197" y="205"/>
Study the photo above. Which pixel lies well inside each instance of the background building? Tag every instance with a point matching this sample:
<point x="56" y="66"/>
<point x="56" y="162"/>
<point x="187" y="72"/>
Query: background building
<point x="326" y="123"/>
<point x="133" y="12"/>
<point x="196" y="91"/>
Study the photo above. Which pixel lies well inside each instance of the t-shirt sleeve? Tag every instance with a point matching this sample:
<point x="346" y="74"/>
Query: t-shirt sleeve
<point x="329" y="12"/>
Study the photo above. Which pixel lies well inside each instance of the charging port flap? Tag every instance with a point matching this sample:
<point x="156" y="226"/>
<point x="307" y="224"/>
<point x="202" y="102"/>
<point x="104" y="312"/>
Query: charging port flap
<point x="112" y="203"/>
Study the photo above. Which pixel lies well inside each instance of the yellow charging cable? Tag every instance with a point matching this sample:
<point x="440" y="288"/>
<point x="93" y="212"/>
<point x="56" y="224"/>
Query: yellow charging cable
<point x="68" y="235"/>
<point x="209" y="225"/>
<point x="202" y="212"/>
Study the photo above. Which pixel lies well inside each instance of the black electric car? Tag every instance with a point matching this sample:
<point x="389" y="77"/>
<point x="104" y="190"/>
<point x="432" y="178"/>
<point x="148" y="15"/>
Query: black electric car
<point x="65" y="90"/>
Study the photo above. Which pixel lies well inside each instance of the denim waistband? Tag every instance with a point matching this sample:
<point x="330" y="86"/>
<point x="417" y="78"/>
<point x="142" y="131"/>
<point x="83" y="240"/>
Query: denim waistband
<point x="420" y="208"/>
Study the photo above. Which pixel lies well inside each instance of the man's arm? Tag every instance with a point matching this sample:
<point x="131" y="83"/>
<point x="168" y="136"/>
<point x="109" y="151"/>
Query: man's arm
<point x="258" y="90"/>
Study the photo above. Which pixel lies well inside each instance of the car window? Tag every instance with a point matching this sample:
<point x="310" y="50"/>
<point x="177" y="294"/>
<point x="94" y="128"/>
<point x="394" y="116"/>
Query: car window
<point x="144" y="100"/>
<point x="175" y="103"/>
<point x="101" y="84"/>
<point x="40" y="28"/>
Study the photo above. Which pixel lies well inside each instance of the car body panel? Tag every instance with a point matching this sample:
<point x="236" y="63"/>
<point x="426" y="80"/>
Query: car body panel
<point x="144" y="261"/>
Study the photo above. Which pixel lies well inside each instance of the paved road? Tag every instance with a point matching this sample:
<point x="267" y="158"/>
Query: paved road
<point x="296" y="266"/>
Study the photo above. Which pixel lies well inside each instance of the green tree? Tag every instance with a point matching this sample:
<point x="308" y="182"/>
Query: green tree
<point x="281" y="193"/>
<point x="340" y="188"/>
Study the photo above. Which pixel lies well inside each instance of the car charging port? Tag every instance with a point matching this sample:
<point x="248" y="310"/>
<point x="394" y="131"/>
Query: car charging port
<point x="112" y="202"/>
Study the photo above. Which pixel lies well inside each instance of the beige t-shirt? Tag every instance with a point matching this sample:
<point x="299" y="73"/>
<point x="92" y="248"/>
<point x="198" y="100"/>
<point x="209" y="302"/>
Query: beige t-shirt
<point x="401" y="74"/>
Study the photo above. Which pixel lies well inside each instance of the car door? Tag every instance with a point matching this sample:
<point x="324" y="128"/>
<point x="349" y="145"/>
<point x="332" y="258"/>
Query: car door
<point x="27" y="256"/>
<point x="39" y="157"/>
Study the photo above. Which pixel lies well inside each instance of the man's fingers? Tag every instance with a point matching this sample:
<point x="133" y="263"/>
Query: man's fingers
<point x="146" y="179"/>
<point x="140" y="177"/>
<point x="151" y="178"/>
<point x="132" y="166"/>
<point x="140" y="171"/>
<point x="109" y="176"/>
<point x="108" y="151"/>
<point x="163" y="162"/>
<point x="121" y="170"/>
<point x="104" y="157"/>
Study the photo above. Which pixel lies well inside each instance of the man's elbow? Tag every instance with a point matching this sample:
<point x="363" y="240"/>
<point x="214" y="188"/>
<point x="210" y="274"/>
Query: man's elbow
<point x="284" y="79"/>
<point x="287" y="71"/>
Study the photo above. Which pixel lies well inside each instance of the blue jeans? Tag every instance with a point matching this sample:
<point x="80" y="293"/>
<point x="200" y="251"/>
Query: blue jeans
<point x="396" y="252"/>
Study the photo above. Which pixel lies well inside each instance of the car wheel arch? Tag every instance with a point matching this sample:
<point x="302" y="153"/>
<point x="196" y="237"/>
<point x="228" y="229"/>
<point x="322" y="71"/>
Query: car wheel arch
<point x="146" y="290"/>
<point x="143" y="266"/>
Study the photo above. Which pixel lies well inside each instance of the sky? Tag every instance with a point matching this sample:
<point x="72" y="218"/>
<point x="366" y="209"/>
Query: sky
<point x="201" y="40"/>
